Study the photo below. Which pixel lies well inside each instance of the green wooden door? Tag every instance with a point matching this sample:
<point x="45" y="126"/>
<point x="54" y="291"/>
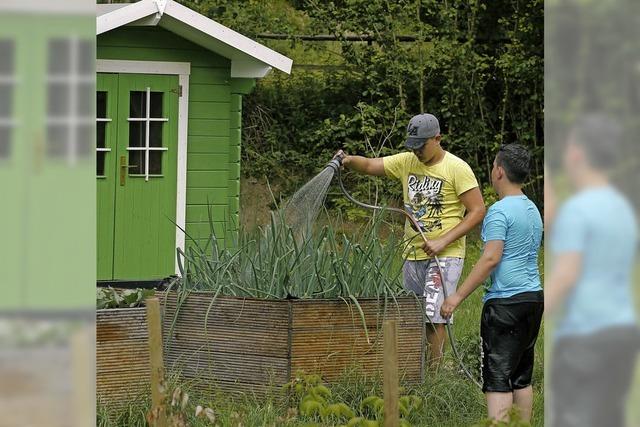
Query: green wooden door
<point x="137" y="193"/>
<point x="106" y="172"/>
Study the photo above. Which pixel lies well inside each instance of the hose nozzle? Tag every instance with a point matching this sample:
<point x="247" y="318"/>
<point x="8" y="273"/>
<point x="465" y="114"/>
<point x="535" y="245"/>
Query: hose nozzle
<point x="336" y="162"/>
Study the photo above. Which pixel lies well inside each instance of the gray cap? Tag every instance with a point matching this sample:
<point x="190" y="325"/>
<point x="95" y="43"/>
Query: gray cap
<point x="421" y="128"/>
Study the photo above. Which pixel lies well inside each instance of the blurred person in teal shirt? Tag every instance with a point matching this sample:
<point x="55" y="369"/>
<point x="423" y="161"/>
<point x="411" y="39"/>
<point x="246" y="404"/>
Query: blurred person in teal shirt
<point x="589" y="288"/>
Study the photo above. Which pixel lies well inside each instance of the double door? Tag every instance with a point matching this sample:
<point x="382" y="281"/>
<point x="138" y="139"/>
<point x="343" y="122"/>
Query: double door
<point x="137" y="144"/>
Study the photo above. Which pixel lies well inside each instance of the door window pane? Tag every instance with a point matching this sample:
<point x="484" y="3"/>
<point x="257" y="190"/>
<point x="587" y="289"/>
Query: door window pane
<point x="156" y="105"/>
<point x="86" y="57"/>
<point x="137" y="133"/>
<point x="100" y="159"/>
<point x="155" y="162"/>
<point x="60" y="56"/>
<point x="5" y="148"/>
<point x="70" y="105"/>
<point x="58" y="102"/>
<point x="6" y="98"/>
<point x="136" y="162"/>
<point x="101" y="134"/>
<point x="7" y="61"/>
<point x="155" y="134"/>
<point x="138" y="104"/>
<point x="101" y="104"/>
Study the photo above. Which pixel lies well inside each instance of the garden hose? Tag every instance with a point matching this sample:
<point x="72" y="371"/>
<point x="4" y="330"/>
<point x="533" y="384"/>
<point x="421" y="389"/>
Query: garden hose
<point x="336" y="165"/>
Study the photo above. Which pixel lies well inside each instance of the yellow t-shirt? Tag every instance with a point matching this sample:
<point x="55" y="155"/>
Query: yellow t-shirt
<point x="431" y="195"/>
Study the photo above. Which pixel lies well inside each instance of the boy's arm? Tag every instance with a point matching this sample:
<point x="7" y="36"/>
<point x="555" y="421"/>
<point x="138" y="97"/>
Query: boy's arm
<point x="365" y="165"/>
<point x="491" y="256"/>
<point x="563" y="277"/>
<point x="472" y="200"/>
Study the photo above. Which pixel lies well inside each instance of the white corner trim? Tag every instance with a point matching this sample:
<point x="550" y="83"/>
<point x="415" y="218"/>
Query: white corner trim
<point x="249" y="69"/>
<point x="142" y="67"/>
<point x="182" y="70"/>
<point x="124" y="15"/>
<point x="161" y="4"/>
<point x="181" y="195"/>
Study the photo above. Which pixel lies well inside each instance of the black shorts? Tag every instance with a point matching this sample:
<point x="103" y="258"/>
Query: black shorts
<point x="509" y="329"/>
<point x="591" y="376"/>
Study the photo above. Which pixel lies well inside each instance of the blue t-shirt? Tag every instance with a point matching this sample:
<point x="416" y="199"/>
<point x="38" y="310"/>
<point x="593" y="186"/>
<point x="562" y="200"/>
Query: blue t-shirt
<point x="599" y="224"/>
<point x="516" y="221"/>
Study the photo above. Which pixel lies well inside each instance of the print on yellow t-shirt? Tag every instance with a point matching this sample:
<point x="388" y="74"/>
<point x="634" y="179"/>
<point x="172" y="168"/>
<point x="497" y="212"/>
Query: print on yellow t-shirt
<point x="431" y="195"/>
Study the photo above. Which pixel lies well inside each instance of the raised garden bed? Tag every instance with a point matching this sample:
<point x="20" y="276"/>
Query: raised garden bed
<point x="246" y="345"/>
<point x="122" y="356"/>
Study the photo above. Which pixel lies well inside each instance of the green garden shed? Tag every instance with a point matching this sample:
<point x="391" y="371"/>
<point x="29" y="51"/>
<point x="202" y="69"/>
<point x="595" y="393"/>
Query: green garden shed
<point x="169" y="100"/>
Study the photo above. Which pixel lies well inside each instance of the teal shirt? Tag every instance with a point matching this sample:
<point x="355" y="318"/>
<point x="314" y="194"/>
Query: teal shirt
<point x="600" y="225"/>
<point x="516" y="221"/>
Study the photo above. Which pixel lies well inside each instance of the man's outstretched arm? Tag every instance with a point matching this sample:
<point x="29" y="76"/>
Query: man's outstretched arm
<point x="363" y="165"/>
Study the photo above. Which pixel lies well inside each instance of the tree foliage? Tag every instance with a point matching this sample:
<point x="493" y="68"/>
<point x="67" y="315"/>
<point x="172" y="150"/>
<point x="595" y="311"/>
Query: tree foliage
<point x="477" y="65"/>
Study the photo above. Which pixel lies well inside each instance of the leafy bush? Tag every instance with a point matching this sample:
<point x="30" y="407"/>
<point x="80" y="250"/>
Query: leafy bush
<point x="128" y="298"/>
<point x="479" y="68"/>
<point x="316" y="402"/>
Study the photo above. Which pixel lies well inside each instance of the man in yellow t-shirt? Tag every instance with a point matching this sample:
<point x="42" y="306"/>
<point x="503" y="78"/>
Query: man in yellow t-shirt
<point x="438" y="189"/>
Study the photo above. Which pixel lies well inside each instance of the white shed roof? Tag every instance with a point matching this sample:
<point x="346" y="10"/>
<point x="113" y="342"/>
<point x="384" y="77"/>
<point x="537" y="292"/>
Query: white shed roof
<point x="248" y="58"/>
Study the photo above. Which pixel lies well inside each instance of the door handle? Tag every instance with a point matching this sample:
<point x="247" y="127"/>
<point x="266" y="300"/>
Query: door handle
<point x="124" y="167"/>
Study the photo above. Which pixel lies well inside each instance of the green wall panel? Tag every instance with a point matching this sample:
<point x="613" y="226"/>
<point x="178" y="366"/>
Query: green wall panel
<point x="202" y="196"/>
<point x="234" y="170"/>
<point x="236" y="102"/>
<point x="201" y="230"/>
<point x="206" y="179"/>
<point x="200" y="213"/>
<point x="234" y="152"/>
<point x="207" y="75"/>
<point x="209" y="127"/>
<point x="235" y="135"/>
<point x="209" y="92"/>
<point x="206" y="161"/>
<point x="209" y="110"/>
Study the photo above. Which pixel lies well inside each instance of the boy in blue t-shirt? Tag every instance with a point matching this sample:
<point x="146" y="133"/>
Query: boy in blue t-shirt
<point x="513" y="305"/>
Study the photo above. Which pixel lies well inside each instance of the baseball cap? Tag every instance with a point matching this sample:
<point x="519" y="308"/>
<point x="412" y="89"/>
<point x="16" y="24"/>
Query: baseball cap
<point x="420" y="128"/>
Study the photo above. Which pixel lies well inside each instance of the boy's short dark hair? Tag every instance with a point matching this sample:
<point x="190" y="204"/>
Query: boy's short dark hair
<point x="600" y="136"/>
<point x="515" y="160"/>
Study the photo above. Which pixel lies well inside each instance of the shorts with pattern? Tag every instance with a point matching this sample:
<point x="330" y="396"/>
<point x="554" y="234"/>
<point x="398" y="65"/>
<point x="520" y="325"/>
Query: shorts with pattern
<point x="423" y="278"/>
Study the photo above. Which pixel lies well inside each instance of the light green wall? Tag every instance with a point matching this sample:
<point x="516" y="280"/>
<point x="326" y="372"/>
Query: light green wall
<point x="48" y="204"/>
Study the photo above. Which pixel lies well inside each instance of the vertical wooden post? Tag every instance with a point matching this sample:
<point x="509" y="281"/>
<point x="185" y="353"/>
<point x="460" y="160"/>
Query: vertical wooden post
<point x="390" y="375"/>
<point x="158" y="388"/>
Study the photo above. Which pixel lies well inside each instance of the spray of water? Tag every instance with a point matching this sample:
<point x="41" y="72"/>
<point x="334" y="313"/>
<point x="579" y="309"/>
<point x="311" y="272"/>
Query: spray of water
<point x="302" y="209"/>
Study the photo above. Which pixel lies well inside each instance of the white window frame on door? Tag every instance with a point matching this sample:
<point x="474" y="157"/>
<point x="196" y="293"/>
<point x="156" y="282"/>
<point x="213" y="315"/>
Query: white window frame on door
<point x="182" y="70"/>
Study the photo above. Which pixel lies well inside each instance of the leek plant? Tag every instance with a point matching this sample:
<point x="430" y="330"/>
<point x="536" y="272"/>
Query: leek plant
<point x="280" y="262"/>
